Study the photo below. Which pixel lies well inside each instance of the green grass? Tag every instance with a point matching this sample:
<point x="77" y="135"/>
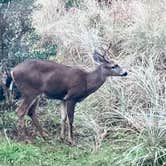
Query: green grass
<point x="55" y="153"/>
<point x="115" y="151"/>
<point x="13" y="153"/>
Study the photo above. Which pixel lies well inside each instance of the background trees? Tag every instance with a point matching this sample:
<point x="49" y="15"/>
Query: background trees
<point x="18" y="38"/>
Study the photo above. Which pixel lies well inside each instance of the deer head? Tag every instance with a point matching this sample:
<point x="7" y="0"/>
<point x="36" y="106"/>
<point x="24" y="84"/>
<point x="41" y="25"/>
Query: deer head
<point x="109" y="68"/>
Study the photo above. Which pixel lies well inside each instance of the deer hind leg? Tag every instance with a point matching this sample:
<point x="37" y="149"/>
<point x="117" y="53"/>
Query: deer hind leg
<point x="63" y="112"/>
<point x="70" y="116"/>
<point x="35" y="121"/>
<point x="21" y="111"/>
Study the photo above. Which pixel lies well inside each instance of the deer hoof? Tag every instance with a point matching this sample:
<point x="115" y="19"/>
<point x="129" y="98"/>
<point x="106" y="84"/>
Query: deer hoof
<point x="62" y="137"/>
<point x="71" y="142"/>
<point x="28" y="141"/>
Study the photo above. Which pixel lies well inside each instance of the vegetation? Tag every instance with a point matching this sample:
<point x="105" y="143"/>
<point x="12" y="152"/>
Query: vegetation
<point x="123" y="123"/>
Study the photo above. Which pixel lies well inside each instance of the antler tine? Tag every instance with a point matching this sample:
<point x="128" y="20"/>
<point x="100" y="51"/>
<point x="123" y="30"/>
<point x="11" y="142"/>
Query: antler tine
<point x="97" y="53"/>
<point x="105" y="51"/>
<point x="109" y="46"/>
<point x="99" y="58"/>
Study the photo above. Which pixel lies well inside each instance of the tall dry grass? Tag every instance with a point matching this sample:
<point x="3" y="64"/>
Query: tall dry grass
<point x="137" y="34"/>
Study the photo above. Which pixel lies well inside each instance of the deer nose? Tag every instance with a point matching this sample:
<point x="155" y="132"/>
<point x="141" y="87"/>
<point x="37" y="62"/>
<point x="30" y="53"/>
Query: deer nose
<point x="124" y="74"/>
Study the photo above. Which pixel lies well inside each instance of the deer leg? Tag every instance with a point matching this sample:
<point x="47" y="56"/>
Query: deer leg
<point x="35" y="121"/>
<point x="63" y="120"/>
<point x="21" y="112"/>
<point x="70" y="115"/>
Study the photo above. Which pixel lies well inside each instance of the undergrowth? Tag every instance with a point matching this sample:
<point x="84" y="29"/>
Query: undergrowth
<point x="52" y="153"/>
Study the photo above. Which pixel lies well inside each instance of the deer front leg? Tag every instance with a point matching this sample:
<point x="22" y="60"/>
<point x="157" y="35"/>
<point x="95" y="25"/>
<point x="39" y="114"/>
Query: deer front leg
<point x="74" y="93"/>
<point x="63" y="120"/>
<point x="70" y="115"/>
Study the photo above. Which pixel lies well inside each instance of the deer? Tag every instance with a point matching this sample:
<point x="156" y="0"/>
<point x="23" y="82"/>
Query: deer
<point x="58" y="81"/>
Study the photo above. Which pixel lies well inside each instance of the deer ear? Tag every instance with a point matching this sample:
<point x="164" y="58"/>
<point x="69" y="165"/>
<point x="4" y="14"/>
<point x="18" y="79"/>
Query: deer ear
<point x="98" y="58"/>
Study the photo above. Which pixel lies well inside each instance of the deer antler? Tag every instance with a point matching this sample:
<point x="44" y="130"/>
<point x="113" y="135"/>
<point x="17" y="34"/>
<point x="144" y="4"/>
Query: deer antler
<point x="99" y="58"/>
<point x="106" y="51"/>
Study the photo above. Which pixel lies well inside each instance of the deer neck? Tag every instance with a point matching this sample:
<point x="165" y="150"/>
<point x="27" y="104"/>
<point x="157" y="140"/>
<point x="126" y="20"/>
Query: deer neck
<point x="95" y="79"/>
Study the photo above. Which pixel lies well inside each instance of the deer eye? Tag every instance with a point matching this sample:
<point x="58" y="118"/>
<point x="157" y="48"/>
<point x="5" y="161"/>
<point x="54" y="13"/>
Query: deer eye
<point x="115" y="66"/>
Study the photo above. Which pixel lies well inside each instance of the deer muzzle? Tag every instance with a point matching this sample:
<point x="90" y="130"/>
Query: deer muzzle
<point x="124" y="74"/>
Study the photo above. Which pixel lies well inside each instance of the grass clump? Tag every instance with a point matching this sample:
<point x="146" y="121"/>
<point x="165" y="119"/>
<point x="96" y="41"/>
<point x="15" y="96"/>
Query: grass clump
<point x="13" y="153"/>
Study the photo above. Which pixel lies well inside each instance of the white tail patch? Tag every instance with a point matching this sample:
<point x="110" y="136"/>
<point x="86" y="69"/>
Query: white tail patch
<point x="11" y="86"/>
<point x="12" y="83"/>
<point x="12" y="75"/>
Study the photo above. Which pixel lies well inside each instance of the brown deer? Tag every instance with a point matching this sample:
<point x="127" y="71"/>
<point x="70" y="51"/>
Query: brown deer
<point x="58" y="81"/>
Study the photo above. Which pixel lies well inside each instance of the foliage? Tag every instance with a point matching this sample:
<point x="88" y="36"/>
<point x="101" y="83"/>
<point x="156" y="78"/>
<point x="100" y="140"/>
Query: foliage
<point x="13" y="153"/>
<point x="18" y="38"/>
<point x="71" y="3"/>
<point x="4" y="1"/>
<point x="135" y="32"/>
<point x="15" y="23"/>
